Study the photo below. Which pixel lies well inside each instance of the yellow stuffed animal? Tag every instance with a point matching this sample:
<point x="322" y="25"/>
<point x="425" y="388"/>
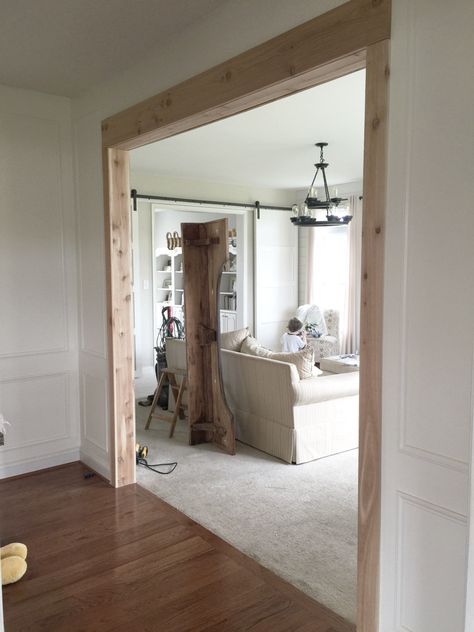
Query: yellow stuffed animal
<point x="13" y="558"/>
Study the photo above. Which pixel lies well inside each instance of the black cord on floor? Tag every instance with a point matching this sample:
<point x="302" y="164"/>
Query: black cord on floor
<point x="153" y="466"/>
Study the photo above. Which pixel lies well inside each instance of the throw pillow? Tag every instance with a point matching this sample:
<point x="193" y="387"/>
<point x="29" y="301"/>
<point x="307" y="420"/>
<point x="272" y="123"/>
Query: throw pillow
<point x="303" y="360"/>
<point x="232" y="340"/>
<point x="250" y="346"/>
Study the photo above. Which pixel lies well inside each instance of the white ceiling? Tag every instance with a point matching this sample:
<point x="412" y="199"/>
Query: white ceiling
<point x="271" y="146"/>
<point x="66" y="46"/>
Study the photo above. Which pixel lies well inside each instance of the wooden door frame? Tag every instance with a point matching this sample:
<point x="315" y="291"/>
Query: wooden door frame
<point x="353" y="36"/>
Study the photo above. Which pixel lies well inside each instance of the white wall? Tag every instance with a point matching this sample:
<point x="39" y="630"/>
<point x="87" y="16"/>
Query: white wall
<point x="155" y="184"/>
<point x="38" y="333"/>
<point x="428" y="338"/>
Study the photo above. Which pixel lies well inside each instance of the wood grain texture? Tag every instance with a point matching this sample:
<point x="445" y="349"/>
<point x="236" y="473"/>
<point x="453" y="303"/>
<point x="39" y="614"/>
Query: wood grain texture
<point x="119" y="312"/>
<point x="204" y="255"/>
<point x="373" y="235"/>
<point x="283" y="65"/>
<point x="122" y="559"/>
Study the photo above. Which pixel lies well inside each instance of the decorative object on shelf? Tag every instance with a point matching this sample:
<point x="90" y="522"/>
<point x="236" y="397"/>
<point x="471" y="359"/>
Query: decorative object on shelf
<point x="173" y="241"/>
<point x="232" y="262"/>
<point x="305" y="214"/>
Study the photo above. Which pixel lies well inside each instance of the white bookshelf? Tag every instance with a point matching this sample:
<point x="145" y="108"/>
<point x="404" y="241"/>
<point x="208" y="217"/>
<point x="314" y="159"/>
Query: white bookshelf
<point x="168" y="283"/>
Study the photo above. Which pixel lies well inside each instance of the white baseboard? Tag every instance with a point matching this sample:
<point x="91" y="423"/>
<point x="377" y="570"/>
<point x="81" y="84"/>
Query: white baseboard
<point x="98" y="466"/>
<point x="40" y="463"/>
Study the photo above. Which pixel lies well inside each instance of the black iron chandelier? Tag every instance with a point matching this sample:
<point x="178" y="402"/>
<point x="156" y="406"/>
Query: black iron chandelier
<point x="305" y="214"/>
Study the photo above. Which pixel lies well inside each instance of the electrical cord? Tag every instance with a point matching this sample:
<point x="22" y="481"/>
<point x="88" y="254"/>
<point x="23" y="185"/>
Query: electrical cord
<point x="153" y="466"/>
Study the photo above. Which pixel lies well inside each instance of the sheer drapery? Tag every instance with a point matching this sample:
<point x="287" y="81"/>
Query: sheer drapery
<point x="309" y="290"/>
<point x="351" y="318"/>
<point x="333" y="273"/>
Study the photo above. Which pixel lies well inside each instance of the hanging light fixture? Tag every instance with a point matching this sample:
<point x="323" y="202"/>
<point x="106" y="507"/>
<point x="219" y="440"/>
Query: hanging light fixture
<point x="305" y="214"/>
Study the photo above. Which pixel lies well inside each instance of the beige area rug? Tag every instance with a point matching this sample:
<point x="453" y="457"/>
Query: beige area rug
<point x="300" y="521"/>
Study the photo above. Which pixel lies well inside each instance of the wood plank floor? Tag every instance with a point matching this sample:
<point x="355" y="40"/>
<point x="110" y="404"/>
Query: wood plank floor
<point x="123" y="560"/>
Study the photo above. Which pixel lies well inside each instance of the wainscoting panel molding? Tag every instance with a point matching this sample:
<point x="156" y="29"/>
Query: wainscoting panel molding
<point x="32" y="246"/>
<point x="43" y="397"/>
<point x="423" y="432"/>
<point x="38" y="337"/>
<point x="92" y="330"/>
<point x="94" y="399"/>
<point x="95" y="433"/>
<point x="44" y="430"/>
<point x="424" y="600"/>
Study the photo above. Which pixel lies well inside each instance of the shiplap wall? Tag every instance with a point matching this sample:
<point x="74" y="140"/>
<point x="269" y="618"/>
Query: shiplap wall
<point x="38" y="286"/>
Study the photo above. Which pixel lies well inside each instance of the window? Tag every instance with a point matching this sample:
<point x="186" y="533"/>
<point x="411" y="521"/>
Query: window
<point x="330" y="267"/>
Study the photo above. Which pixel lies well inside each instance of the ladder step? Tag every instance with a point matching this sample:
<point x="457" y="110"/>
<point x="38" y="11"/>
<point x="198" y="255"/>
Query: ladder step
<point x="174" y="371"/>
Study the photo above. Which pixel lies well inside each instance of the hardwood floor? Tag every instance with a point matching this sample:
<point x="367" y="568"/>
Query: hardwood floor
<point x="123" y="560"/>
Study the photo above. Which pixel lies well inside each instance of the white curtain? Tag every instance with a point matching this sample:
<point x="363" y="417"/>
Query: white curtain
<point x="351" y="325"/>
<point x="309" y="290"/>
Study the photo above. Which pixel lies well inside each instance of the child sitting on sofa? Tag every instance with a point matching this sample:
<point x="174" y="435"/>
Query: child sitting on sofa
<point x="295" y="338"/>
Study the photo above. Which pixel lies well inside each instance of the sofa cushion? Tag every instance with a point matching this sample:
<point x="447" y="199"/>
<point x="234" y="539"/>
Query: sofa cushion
<point x="232" y="340"/>
<point x="303" y="360"/>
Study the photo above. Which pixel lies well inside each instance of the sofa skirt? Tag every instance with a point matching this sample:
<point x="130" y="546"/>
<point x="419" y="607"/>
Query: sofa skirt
<point x="265" y="435"/>
<point x="326" y="428"/>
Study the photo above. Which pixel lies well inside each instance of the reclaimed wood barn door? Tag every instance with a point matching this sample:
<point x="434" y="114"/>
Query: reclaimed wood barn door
<point x="204" y="254"/>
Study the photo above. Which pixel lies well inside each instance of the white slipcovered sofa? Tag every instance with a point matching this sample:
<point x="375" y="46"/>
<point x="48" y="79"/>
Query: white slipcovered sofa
<point x="292" y="419"/>
<point x="277" y="412"/>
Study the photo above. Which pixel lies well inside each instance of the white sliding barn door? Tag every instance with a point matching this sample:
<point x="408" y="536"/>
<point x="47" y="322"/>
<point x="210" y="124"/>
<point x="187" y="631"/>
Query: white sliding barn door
<point x="276" y="275"/>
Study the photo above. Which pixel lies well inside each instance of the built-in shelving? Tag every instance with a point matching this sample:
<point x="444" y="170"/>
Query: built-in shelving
<point x="168" y="275"/>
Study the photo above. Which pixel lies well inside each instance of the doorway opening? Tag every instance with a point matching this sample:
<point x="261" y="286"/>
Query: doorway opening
<point x="300" y="520"/>
<point x="358" y="38"/>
